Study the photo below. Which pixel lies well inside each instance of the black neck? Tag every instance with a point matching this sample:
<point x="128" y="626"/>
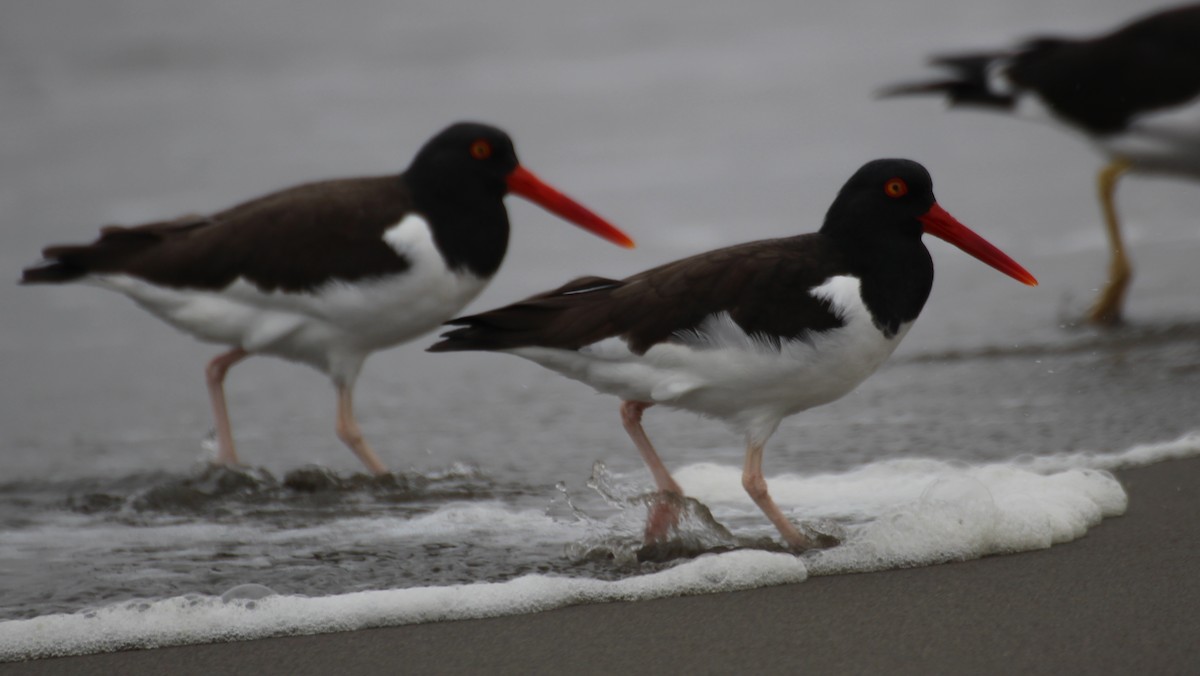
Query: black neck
<point x="896" y="284"/>
<point x="469" y="224"/>
<point x="896" y="274"/>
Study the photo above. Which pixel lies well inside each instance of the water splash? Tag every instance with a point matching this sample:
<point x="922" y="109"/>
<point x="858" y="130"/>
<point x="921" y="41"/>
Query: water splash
<point x="619" y="535"/>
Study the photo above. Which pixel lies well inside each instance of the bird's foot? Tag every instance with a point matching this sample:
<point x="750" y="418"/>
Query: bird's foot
<point x="664" y="516"/>
<point x="1105" y="315"/>
<point x="1106" y="311"/>
<point x="213" y="468"/>
<point x="808" y="536"/>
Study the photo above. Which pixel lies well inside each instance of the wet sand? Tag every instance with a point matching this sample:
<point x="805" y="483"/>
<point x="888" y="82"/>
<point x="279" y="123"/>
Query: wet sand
<point x="1123" y="598"/>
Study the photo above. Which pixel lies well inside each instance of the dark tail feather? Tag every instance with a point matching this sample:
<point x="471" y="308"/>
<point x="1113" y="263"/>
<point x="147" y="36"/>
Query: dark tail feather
<point x="63" y="263"/>
<point x="67" y="263"/>
<point x="537" y="320"/>
<point x="51" y="272"/>
<point x="115" y="246"/>
<point x="500" y="329"/>
<point x="968" y="85"/>
<point x="465" y="339"/>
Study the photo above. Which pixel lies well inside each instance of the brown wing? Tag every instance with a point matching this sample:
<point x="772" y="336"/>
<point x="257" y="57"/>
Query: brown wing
<point x="762" y="285"/>
<point x="292" y="240"/>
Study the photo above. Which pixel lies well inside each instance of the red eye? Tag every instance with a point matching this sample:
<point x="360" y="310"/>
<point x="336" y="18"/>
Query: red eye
<point x="895" y="187"/>
<point x="481" y="150"/>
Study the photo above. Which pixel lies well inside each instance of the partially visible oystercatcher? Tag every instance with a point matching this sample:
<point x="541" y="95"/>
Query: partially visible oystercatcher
<point x="326" y="273"/>
<point x="1135" y="93"/>
<point x="749" y="334"/>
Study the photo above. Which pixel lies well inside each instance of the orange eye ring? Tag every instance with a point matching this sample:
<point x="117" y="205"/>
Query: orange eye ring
<point x="895" y="187"/>
<point x="481" y="150"/>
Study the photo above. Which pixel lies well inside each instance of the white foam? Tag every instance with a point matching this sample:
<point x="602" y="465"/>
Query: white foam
<point x="1186" y="446"/>
<point x="194" y="619"/>
<point x="895" y="513"/>
<point x="966" y="514"/>
<point x="915" y="512"/>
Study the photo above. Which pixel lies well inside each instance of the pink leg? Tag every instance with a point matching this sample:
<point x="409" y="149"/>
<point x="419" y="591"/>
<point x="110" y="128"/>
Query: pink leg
<point x="214" y="374"/>
<point x="756" y="486"/>
<point x="663" y="515"/>
<point x="350" y="434"/>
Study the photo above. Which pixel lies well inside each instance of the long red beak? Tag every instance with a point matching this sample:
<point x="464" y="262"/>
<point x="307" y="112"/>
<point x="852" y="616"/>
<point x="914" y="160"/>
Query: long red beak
<point x="939" y="223"/>
<point x="524" y="183"/>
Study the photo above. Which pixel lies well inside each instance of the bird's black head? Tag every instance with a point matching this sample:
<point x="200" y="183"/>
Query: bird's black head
<point x="875" y="220"/>
<point x="465" y="159"/>
<point x="883" y="200"/>
<point x="881" y="212"/>
<point x="458" y="181"/>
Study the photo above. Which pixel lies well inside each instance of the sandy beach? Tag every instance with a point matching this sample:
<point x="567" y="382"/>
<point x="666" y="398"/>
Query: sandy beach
<point x="1124" y="598"/>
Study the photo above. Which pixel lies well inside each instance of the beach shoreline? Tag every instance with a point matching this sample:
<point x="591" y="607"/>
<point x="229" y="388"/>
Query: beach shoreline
<point x="1122" y="598"/>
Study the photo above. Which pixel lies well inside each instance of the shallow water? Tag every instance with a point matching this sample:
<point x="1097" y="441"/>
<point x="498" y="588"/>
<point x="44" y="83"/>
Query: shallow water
<point x="689" y="127"/>
<point x="67" y="544"/>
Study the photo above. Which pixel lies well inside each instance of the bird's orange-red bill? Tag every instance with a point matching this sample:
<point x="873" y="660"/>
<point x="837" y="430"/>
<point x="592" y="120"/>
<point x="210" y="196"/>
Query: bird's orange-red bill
<point x="939" y="223"/>
<point x="524" y="183"/>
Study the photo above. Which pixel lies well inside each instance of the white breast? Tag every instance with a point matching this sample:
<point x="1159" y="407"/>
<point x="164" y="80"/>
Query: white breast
<point x="1167" y="141"/>
<point x="332" y="328"/>
<point x="719" y="371"/>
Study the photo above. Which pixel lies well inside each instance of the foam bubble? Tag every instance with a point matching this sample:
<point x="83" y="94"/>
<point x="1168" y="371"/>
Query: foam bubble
<point x="970" y="513"/>
<point x="896" y="513"/>
<point x="915" y="512"/>
<point x="1186" y="446"/>
<point x="195" y="619"/>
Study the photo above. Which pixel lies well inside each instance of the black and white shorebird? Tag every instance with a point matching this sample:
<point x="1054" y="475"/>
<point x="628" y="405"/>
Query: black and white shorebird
<point x="326" y="273"/>
<point x="748" y="334"/>
<point x="1134" y="93"/>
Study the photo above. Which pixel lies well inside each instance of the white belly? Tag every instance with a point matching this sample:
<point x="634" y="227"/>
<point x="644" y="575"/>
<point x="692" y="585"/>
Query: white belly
<point x="1162" y="142"/>
<point x="333" y="328"/>
<point x="720" y="371"/>
<point x="1166" y="141"/>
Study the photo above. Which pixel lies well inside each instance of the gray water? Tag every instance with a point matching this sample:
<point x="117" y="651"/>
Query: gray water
<point x="690" y="126"/>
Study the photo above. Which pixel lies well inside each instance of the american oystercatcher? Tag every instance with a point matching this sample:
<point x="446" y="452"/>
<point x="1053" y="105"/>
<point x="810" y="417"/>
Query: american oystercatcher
<point x="748" y="334"/>
<point x="1135" y="94"/>
<point x="326" y="273"/>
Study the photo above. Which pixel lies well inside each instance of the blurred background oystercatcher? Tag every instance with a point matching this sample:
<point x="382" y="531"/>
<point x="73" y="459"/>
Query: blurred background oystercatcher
<point x="1134" y="93"/>
<point x="326" y="273"/>
<point x="748" y="334"/>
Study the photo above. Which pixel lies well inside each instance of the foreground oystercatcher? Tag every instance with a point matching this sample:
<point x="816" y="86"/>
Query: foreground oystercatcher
<point x="326" y="273"/>
<point x="749" y="334"/>
<point x="1135" y="93"/>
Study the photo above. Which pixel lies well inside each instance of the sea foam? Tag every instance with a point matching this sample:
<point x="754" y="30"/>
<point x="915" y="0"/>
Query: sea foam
<point x="206" y="619"/>
<point x="894" y="513"/>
